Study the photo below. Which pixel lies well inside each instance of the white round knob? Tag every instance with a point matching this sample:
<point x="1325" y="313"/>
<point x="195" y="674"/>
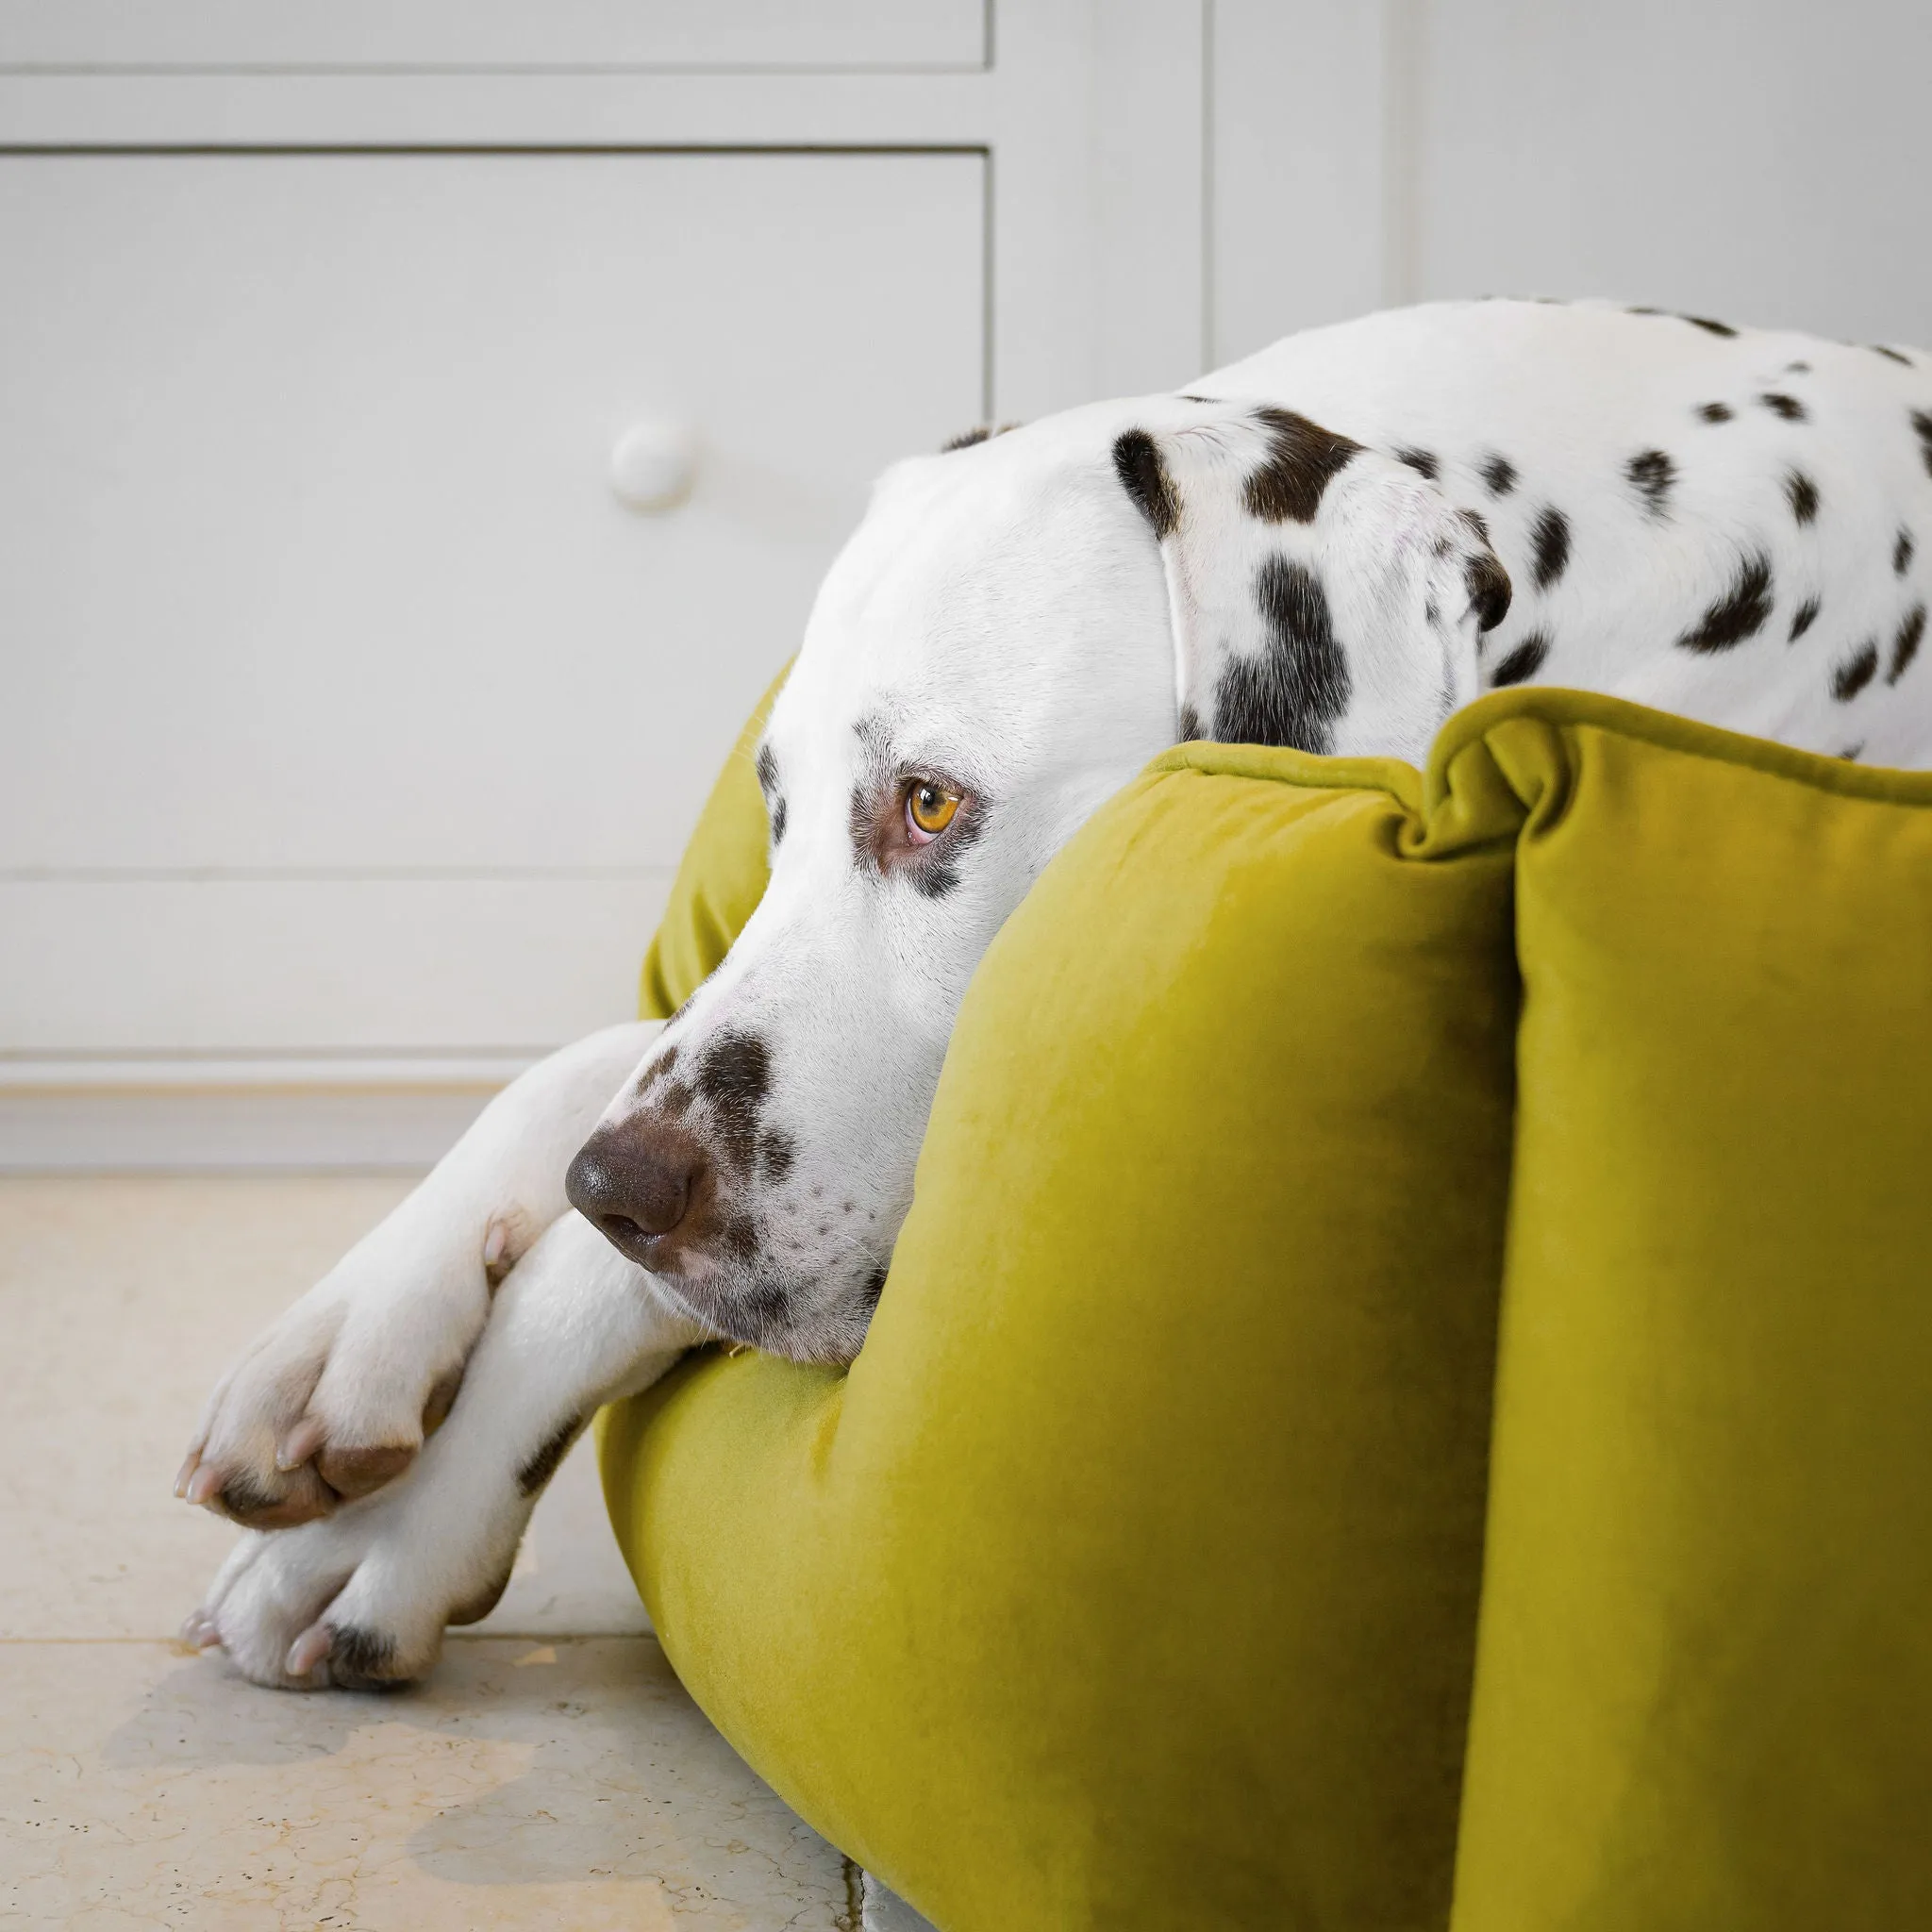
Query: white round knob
<point x="653" y="465"/>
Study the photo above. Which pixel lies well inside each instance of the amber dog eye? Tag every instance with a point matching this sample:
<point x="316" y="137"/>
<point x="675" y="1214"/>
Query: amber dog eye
<point x="929" y="809"/>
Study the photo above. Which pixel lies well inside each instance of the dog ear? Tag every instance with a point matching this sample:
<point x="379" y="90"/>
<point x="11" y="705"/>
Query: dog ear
<point x="1320" y="595"/>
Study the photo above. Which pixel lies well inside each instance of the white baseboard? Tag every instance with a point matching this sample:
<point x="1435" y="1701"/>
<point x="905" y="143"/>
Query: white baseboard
<point x="260" y="1115"/>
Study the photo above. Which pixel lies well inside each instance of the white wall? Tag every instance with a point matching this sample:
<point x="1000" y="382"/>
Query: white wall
<point x="1760" y="160"/>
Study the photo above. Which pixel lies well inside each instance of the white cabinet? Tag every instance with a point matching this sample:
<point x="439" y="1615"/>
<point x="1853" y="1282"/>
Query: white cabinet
<point x="319" y="591"/>
<point x="351" y="722"/>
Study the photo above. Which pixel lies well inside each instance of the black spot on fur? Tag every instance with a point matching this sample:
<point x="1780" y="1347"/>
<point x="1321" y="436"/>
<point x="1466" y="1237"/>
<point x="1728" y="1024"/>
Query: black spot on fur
<point x="1294" y="691"/>
<point x="1850" y="754"/>
<point x="1789" y="407"/>
<point x="1905" y="646"/>
<point x="544" y="1465"/>
<point x="1550" y="535"/>
<point x="1476" y="522"/>
<point x="1803" y="496"/>
<point x="871" y="1288"/>
<point x="1797" y="369"/>
<point x="737" y="1235"/>
<point x="1715" y="412"/>
<point x="1703" y="321"/>
<point x="360" y="1659"/>
<point x="1422" y="461"/>
<point x="1894" y="354"/>
<point x="1804" y="618"/>
<point x="768" y="784"/>
<point x="1652" y="473"/>
<point x="1189" y="726"/>
<point x="982" y="433"/>
<point x="1490" y="589"/>
<point x="1901" y="549"/>
<point x="776" y="1153"/>
<point x="1742" y="612"/>
<point x="1856" y="672"/>
<point x="1144" y="475"/>
<point x="1302" y="457"/>
<point x="1525" y="660"/>
<point x="764" y="1304"/>
<point x="1921" y="429"/>
<point x="736" y="1069"/>
<point x="1498" y="474"/>
<point x="735" y="1077"/>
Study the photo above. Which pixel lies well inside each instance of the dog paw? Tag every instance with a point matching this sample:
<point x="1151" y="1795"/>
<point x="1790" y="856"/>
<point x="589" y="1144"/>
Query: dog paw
<point x="337" y="1398"/>
<point x="358" y="1603"/>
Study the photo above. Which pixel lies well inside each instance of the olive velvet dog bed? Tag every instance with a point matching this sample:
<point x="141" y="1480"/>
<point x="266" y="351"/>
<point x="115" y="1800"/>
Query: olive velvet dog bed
<point x="1405" y="1395"/>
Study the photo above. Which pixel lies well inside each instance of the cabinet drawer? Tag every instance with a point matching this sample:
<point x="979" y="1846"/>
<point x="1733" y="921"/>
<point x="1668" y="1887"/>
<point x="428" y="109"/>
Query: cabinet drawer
<point x="441" y="35"/>
<point x="315" y="574"/>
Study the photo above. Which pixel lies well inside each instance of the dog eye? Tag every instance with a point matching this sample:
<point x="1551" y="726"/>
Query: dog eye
<point x="930" y="809"/>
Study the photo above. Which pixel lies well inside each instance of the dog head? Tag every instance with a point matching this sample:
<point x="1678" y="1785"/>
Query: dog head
<point x="1015" y="628"/>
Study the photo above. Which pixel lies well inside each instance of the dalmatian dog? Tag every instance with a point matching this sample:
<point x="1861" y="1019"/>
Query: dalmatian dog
<point x="1332" y="546"/>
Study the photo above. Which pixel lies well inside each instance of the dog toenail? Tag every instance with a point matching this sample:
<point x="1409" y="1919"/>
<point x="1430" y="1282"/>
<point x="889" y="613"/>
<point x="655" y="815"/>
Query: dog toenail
<point x="308" y="1650"/>
<point x="199" y="1632"/>
<point x="300" y="1443"/>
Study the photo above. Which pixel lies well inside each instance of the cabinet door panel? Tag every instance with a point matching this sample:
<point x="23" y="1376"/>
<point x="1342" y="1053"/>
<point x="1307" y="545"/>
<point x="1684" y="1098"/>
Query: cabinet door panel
<point x="313" y="561"/>
<point x="313" y="569"/>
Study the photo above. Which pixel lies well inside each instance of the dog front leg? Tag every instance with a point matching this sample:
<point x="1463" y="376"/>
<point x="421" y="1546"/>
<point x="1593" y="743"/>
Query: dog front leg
<point x="337" y="1397"/>
<point x="363" y="1598"/>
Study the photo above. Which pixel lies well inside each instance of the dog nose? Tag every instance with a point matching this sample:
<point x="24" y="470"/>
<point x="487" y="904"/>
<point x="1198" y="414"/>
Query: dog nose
<point x="634" y="1182"/>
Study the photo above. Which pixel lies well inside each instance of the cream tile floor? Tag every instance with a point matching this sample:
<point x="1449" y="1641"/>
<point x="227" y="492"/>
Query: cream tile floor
<point x="552" y="1774"/>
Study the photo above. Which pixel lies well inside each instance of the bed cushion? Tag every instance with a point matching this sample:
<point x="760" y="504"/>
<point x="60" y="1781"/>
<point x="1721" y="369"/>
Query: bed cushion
<point x="1136" y="1559"/>
<point x="720" y="880"/>
<point x="1705" y="1693"/>
<point x="1131" y="1576"/>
